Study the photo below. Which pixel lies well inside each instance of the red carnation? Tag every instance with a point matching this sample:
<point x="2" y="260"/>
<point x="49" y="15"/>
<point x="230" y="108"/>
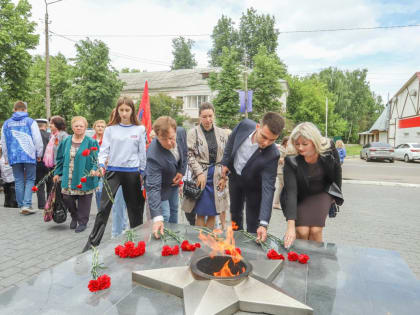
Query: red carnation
<point x="94" y="149"/>
<point x="175" y="250"/>
<point x="166" y="250"/>
<point x="104" y="282"/>
<point x="83" y="180"/>
<point x="272" y="254"/>
<point x="123" y="253"/>
<point x="86" y="152"/>
<point x="141" y="244"/>
<point x="79" y="186"/>
<point x="118" y="249"/>
<point x="129" y="244"/>
<point x="303" y="258"/>
<point x="236" y="250"/>
<point x="34" y="189"/>
<point x="292" y="256"/>
<point x="93" y="285"/>
<point x="197" y="245"/>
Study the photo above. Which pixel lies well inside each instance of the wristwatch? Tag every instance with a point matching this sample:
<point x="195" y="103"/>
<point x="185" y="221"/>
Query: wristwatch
<point x="263" y="225"/>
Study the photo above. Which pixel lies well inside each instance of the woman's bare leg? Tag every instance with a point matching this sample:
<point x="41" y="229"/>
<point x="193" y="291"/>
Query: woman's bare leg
<point x="302" y="232"/>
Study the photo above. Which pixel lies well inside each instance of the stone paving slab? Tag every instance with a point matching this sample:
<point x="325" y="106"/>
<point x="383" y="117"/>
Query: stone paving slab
<point x="372" y="216"/>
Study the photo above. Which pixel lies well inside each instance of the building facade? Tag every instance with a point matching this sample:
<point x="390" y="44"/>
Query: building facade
<point x="404" y="115"/>
<point x="189" y="85"/>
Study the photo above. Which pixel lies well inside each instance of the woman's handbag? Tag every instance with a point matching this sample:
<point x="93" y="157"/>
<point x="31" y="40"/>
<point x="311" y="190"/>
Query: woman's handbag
<point x="48" y="210"/>
<point x="59" y="209"/>
<point x="191" y="190"/>
<point x="333" y="210"/>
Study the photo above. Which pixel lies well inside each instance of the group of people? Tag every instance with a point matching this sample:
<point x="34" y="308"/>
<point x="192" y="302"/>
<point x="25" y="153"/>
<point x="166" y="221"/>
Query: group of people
<point x="235" y="171"/>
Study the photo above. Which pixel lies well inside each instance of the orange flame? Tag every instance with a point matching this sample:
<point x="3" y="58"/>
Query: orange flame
<point x="235" y="227"/>
<point x="219" y="246"/>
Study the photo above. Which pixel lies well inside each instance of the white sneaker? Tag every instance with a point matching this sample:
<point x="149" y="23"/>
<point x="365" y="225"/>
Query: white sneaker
<point x="27" y="210"/>
<point x="23" y="211"/>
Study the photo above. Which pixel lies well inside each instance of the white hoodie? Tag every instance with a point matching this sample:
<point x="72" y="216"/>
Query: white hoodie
<point x="124" y="147"/>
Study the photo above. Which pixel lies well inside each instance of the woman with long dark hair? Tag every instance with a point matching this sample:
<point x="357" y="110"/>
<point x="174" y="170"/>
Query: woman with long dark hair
<point x="124" y="149"/>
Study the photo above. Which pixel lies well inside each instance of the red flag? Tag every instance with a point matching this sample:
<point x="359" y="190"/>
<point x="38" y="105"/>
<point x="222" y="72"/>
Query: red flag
<point x="144" y="114"/>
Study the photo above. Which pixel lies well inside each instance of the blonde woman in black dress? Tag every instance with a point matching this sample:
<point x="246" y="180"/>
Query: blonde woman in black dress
<point x="311" y="169"/>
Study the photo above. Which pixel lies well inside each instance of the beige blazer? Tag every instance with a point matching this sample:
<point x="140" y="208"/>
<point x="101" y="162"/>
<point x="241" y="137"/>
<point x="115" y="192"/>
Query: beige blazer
<point x="198" y="159"/>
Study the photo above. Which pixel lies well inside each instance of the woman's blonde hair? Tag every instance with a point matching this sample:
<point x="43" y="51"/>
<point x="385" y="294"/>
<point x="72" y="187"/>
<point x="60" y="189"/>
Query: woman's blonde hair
<point x="101" y="121"/>
<point x="81" y="118"/>
<point x="310" y="132"/>
<point x="339" y="144"/>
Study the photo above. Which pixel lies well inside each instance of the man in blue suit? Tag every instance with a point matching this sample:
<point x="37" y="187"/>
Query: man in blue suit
<point x="165" y="166"/>
<point x="251" y="159"/>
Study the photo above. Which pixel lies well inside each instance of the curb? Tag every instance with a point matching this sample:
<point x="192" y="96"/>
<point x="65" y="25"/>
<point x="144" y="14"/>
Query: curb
<point x="369" y="182"/>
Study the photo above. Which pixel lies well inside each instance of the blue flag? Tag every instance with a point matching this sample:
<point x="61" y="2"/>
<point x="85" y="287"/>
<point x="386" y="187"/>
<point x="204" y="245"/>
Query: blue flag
<point x="242" y="101"/>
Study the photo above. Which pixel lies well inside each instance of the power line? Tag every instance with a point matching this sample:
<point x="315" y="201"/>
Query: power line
<point x="120" y="55"/>
<point x="281" y="32"/>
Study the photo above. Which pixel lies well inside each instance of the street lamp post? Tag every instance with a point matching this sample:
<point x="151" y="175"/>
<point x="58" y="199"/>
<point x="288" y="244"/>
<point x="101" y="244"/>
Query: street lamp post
<point x="47" y="62"/>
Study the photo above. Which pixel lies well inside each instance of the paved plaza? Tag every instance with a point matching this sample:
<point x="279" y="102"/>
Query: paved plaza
<point x="373" y="216"/>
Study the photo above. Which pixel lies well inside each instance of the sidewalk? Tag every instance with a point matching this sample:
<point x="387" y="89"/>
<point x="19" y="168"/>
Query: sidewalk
<point x="29" y="245"/>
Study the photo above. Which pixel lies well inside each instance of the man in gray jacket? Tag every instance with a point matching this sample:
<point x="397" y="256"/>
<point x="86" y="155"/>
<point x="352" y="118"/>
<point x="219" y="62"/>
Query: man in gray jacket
<point x="165" y="166"/>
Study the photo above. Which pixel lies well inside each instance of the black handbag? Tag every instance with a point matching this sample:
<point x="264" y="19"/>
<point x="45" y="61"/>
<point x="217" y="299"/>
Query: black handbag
<point x="190" y="189"/>
<point x="59" y="214"/>
<point x="333" y="210"/>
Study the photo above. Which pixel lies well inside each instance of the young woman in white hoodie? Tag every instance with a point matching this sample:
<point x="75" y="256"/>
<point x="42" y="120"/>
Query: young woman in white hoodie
<point x="124" y="149"/>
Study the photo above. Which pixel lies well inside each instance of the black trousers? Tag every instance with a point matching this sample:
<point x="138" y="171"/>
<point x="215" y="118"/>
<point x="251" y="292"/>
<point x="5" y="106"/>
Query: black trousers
<point x="80" y="211"/>
<point x="41" y="172"/>
<point x="240" y="194"/>
<point x="133" y="196"/>
<point x="10" y="195"/>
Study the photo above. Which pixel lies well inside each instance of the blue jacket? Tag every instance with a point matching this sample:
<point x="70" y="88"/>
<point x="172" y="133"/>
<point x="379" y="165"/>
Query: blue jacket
<point x="161" y="168"/>
<point x="21" y="139"/>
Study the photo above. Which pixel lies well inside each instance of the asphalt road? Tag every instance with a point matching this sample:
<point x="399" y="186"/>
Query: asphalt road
<point x="399" y="171"/>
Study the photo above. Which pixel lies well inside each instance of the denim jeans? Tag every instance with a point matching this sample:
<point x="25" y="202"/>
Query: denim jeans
<point x="170" y="206"/>
<point x="174" y="204"/>
<point x="24" y="188"/>
<point x="98" y="193"/>
<point x="119" y="213"/>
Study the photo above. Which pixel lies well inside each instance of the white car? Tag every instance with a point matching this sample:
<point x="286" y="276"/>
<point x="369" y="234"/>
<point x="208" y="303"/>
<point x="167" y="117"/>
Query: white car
<point x="407" y="152"/>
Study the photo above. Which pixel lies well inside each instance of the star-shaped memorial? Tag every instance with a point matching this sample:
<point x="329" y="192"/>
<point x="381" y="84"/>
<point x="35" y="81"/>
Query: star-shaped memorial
<point x="252" y="293"/>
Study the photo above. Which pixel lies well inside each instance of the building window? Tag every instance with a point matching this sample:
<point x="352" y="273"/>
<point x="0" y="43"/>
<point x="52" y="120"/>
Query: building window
<point x="406" y="134"/>
<point x="194" y="101"/>
<point x="418" y="134"/>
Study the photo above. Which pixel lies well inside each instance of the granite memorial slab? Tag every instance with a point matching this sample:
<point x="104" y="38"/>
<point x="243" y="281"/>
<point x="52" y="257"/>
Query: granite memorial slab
<point x="337" y="280"/>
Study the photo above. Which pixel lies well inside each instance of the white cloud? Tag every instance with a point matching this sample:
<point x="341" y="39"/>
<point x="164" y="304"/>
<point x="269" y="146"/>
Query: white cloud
<point x="302" y="52"/>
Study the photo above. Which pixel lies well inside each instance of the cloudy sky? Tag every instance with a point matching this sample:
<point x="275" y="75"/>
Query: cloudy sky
<point x="139" y="32"/>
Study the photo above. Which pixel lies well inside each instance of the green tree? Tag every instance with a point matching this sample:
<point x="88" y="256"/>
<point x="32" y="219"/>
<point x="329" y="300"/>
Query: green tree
<point x="96" y="84"/>
<point x="306" y="102"/>
<point x="265" y="82"/>
<point x="256" y="30"/>
<point x="164" y="105"/>
<point x="17" y="36"/>
<point x="128" y="70"/>
<point x="224" y="35"/>
<point x="226" y="83"/>
<point x="61" y="79"/>
<point x="355" y="102"/>
<point x="183" y="58"/>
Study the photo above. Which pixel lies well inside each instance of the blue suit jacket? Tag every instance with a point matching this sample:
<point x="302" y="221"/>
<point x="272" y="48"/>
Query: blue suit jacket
<point x="161" y="168"/>
<point x="259" y="173"/>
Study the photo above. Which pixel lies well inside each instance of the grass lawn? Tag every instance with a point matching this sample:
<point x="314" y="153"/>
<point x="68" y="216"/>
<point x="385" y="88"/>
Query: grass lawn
<point x="353" y="149"/>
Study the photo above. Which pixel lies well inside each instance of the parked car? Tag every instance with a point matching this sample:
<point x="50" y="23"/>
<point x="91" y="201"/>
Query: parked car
<point x="377" y="151"/>
<point x="407" y="152"/>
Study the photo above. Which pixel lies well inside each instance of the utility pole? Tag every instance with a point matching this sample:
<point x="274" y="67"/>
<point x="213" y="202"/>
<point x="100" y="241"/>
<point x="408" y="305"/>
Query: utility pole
<point x="246" y="84"/>
<point x="47" y="66"/>
<point x="326" y="117"/>
<point x="246" y="92"/>
<point x="47" y="62"/>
